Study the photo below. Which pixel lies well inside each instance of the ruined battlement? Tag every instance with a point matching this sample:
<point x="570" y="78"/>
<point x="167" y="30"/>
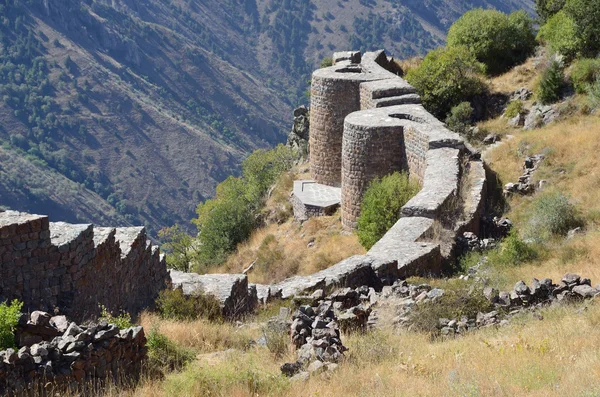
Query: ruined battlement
<point x="72" y="269"/>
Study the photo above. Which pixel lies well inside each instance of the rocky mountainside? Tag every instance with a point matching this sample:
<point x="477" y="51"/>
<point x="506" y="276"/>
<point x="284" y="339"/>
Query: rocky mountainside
<point x="130" y="112"/>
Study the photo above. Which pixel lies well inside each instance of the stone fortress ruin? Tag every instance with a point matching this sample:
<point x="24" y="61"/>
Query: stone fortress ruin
<point x="366" y="122"/>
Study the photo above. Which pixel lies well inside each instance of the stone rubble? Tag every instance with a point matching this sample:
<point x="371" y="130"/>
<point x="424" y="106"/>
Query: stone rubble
<point x="317" y="325"/>
<point x="525" y="185"/>
<point x="53" y="351"/>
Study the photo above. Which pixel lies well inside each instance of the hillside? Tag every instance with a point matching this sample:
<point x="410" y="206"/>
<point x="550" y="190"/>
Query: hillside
<point x="143" y="107"/>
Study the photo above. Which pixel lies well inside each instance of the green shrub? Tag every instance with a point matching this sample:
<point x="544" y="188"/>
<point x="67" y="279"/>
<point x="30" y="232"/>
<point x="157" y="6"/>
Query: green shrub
<point x="513" y="251"/>
<point x="498" y="40"/>
<point x="174" y="305"/>
<point x="551" y="84"/>
<point x="593" y="91"/>
<point x="586" y="14"/>
<point x="447" y="77"/>
<point x="228" y="219"/>
<point x="326" y="62"/>
<point x="381" y="204"/>
<point x="164" y="354"/>
<point x="552" y="214"/>
<point x="513" y="109"/>
<point x="122" y="321"/>
<point x="547" y="8"/>
<point x="585" y="72"/>
<point x="459" y="118"/>
<point x="178" y="247"/>
<point x="561" y="35"/>
<point x="277" y="338"/>
<point x="460" y="299"/>
<point x="9" y="318"/>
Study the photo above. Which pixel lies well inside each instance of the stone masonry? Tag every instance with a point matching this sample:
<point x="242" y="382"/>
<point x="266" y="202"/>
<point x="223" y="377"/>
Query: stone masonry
<point x="72" y="269"/>
<point x="367" y="122"/>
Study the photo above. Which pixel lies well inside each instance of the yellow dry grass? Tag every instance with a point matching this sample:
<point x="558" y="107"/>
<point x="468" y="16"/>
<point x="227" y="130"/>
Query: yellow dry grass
<point x="291" y="248"/>
<point x="520" y="76"/>
<point x="557" y="356"/>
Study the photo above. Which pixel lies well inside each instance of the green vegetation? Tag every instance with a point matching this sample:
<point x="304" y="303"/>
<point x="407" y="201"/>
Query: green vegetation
<point x="381" y="204"/>
<point x="447" y="77"/>
<point x="164" y="354"/>
<point x="513" y="251"/>
<point x="551" y="83"/>
<point x="547" y="8"/>
<point x="584" y="73"/>
<point x="459" y="118"/>
<point x="228" y="219"/>
<point x="551" y="214"/>
<point x="514" y="108"/>
<point x="9" y="318"/>
<point x="178" y="247"/>
<point x="497" y="40"/>
<point x="560" y="35"/>
<point x="460" y="299"/>
<point x="326" y="62"/>
<point x="173" y="305"/>
<point x="572" y="27"/>
<point x="122" y="320"/>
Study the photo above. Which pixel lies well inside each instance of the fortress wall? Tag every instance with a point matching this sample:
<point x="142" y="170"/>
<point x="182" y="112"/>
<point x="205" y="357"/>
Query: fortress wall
<point x="369" y="151"/>
<point x="74" y="268"/>
<point x="331" y="101"/>
<point x="415" y="155"/>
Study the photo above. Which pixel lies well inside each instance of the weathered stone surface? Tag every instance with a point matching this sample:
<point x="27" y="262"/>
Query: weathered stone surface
<point x="74" y="268"/>
<point x="230" y="290"/>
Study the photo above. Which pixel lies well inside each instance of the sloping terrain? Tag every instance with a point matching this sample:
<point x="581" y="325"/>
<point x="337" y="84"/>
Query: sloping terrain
<point x="146" y="106"/>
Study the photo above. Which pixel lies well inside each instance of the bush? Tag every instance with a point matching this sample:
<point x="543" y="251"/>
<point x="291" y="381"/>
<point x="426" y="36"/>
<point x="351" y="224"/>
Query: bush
<point x="513" y="251"/>
<point x="513" y="109"/>
<point x="445" y="78"/>
<point x="586" y="14"/>
<point x="326" y="62"/>
<point x="9" y="318"/>
<point x="178" y="247"/>
<point x="460" y="299"/>
<point x="585" y="72"/>
<point x="174" y="305"/>
<point x="459" y="118"/>
<point x="122" y="321"/>
<point x="381" y="204"/>
<point x="228" y="219"/>
<point x="551" y="83"/>
<point x="547" y="8"/>
<point x="498" y="40"/>
<point x="552" y="214"/>
<point x="164" y="354"/>
<point x="561" y="35"/>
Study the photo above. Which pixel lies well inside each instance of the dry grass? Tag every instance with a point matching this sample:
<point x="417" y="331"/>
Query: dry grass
<point x="520" y="76"/>
<point x="554" y="357"/>
<point x="289" y="249"/>
<point x="201" y="335"/>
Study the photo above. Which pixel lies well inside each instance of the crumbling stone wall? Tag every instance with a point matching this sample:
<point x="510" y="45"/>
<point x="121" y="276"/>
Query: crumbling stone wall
<point x="55" y="355"/>
<point x="72" y="269"/>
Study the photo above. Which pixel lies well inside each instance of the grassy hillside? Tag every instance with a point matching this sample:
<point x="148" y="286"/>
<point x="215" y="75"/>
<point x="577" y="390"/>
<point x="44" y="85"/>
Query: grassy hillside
<point x="148" y="105"/>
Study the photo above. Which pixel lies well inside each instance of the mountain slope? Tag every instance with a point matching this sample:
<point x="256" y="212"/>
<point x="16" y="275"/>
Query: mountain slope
<point x="147" y="105"/>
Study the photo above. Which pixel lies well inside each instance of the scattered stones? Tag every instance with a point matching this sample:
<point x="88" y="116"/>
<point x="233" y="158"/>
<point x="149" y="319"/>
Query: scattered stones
<point x="522" y="94"/>
<point x="63" y="355"/>
<point x="539" y="116"/>
<point x="491" y="139"/>
<point x="525" y="185"/>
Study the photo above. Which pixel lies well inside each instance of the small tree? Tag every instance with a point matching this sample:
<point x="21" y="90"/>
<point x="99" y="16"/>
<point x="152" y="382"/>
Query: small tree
<point x="586" y="14"/>
<point x="496" y="39"/>
<point x="178" y="246"/>
<point x="381" y="205"/>
<point x="459" y="118"/>
<point x="560" y="33"/>
<point x="9" y="318"/>
<point x="551" y="83"/>
<point x="447" y="77"/>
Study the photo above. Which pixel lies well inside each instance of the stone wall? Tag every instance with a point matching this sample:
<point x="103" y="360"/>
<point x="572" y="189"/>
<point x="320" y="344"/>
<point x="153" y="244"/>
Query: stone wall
<point x="72" y="269"/>
<point x="57" y="355"/>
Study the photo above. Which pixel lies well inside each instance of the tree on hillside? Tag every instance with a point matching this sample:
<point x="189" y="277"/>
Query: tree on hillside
<point x="498" y="40"/>
<point x="447" y="77"/>
<point x="547" y="8"/>
<point x="586" y="14"/>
